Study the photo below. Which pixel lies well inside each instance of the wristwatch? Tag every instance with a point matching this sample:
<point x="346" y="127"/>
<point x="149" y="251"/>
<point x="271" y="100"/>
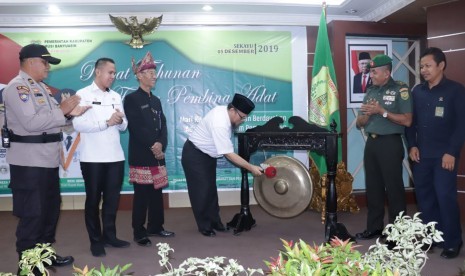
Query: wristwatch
<point x="385" y="114"/>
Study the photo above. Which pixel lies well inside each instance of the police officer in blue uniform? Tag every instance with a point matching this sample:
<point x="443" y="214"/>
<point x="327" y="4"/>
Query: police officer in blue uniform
<point x="385" y="112"/>
<point x="435" y="139"/>
<point x="34" y="119"/>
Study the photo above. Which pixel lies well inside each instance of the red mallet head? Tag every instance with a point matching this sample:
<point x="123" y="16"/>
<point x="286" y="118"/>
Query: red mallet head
<point x="270" y="172"/>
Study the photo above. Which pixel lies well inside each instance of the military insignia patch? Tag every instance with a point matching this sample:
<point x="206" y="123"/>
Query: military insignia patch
<point x="41" y="101"/>
<point x="23" y="88"/>
<point x="31" y="81"/>
<point x="404" y="95"/>
<point x="403" y="89"/>
<point x="23" y="96"/>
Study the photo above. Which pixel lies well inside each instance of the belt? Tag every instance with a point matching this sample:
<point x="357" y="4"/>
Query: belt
<point x="374" y="135"/>
<point x="39" y="139"/>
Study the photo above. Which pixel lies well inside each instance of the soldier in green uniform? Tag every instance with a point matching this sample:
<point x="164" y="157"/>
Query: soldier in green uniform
<point x="385" y="112"/>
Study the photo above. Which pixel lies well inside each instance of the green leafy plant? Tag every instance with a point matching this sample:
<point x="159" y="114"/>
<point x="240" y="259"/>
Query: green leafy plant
<point x="209" y="266"/>
<point x="335" y="258"/>
<point x="36" y="258"/>
<point x="104" y="271"/>
<point x="412" y="240"/>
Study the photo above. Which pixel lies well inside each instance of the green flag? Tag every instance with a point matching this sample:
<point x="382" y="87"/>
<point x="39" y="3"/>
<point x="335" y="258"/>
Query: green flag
<point x="324" y="99"/>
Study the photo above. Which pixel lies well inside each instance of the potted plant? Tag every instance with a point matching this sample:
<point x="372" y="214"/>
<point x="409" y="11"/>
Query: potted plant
<point x="37" y="258"/>
<point x="104" y="271"/>
<point x="407" y="257"/>
<point x="209" y="266"/>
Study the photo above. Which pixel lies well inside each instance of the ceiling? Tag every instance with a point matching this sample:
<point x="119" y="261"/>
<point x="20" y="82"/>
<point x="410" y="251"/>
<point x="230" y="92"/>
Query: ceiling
<point x="28" y="13"/>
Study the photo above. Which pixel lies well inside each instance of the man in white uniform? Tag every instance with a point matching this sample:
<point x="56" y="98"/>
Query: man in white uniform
<point x="102" y="157"/>
<point x="209" y="141"/>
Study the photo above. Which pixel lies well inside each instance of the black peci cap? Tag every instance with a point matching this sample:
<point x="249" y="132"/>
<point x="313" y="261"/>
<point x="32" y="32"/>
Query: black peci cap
<point x="242" y="103"/>
<point x="363" y="55"/>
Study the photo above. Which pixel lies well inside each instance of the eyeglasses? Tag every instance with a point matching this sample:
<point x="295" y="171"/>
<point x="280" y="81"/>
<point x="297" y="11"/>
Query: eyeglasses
<point x="240" y="116"/>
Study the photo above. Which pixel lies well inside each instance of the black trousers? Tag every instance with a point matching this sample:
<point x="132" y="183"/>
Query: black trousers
<point x="146" y="198"/>
<point x="36" y="202"/>
<point x="436" y="191"/>
<point x="383" y="174"/>
<point x="200" y="171"/>
<point x="102" y="180"/>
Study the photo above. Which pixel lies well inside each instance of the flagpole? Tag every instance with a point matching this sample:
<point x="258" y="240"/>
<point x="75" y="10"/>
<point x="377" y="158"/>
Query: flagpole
<point x="324" y="111"/>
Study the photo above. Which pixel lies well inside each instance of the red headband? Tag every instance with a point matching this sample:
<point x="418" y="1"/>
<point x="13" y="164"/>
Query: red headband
<point x="144" y="64"/>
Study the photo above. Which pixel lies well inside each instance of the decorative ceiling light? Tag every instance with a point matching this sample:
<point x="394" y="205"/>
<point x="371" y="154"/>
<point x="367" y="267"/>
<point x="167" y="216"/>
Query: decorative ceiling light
<point x="207" y="8"/>
<point x="53" y="9"/>
<point x="351" y="11"/>
<point x="136" y="30"/>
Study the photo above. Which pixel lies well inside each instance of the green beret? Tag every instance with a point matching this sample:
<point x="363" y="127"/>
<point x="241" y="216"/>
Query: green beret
<point x="379" y="60"/>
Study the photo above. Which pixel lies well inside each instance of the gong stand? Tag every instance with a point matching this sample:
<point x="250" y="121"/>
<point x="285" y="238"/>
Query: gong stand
<point x="303" y="136"/>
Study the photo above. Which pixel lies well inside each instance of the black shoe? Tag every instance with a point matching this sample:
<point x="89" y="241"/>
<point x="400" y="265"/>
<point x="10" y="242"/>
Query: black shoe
<point x="390" y="244"/>
<point x="220" y="227"/>
<point x="450" y="253"/>
<point x="427" y="247"/>
<point x="162" y="233"/>
<point x="368" y="235"/>
<point x="97" y="250"/>
<point x="143" y="242"/>
<point x="62" y="261"/>
<point x="117" y="243"/>
<point x="208" y="233"/>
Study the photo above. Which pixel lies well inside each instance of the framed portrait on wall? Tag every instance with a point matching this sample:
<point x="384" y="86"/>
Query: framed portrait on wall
<point x="358" y="56"/>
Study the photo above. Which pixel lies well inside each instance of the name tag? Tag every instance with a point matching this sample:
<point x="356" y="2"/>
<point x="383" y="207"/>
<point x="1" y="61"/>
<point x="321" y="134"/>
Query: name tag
<point x="439" y="112"/>
<point x="144" y="106"/>
<point x="389" y="98"/>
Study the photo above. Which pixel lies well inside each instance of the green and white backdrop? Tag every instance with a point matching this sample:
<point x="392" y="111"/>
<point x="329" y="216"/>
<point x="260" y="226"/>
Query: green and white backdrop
<point x="198" y="68"/>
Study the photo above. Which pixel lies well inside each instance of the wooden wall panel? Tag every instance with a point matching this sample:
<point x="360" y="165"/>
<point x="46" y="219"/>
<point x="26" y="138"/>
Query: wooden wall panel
<point x="448" y="21"/>
<point x="446" y="18"/>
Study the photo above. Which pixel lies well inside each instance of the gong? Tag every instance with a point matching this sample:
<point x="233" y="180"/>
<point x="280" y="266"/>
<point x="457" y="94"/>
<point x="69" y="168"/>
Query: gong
<point x="288" y="193"/>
